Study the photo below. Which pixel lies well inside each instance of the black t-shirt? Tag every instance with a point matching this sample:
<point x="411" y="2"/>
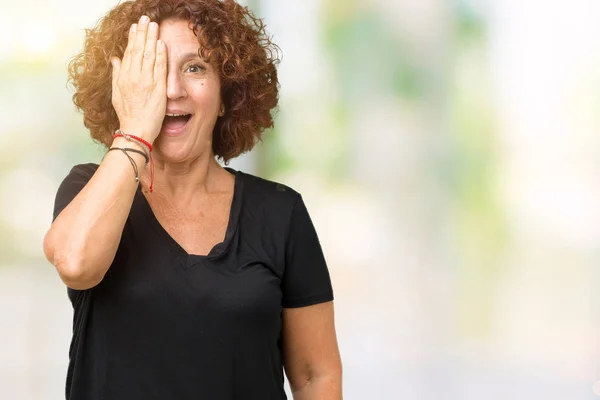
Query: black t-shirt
<point x="164" y="324"/>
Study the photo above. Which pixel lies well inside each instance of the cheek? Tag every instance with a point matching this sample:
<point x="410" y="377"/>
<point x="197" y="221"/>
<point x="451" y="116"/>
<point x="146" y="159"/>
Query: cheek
<point x="207" y="95"/>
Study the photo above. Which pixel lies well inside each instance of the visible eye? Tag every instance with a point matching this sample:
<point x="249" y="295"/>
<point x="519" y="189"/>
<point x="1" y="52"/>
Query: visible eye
<point x="195" y="68"/>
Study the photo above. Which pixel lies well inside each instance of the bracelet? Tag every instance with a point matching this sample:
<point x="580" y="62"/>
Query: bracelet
<point x="133" y="150"/>
<point x="133" y="164"/>
<point x="120" y="133"/>
<point x="142" y="143"/>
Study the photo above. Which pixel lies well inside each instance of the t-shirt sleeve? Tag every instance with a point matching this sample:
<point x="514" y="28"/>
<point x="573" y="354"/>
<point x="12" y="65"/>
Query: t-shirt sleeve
<point x="70" y="187"/>
<point x="306" y="279"/>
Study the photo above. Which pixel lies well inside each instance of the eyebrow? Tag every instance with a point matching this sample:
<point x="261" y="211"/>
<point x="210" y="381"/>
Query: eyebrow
<point x="190" y="55"/>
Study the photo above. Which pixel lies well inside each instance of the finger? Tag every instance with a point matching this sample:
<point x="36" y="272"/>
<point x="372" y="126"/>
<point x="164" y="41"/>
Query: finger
<point x="126" y="64"/>
<point x="160" y="64"/>
<point x="116" y="64"/>
<point x="139" y="44"/>
<point x="150" y="49"/>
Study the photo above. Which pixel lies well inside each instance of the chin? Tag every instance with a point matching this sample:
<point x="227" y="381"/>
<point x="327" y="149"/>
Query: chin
<point x="179" y="152"/>
<point x="173" y="152"/>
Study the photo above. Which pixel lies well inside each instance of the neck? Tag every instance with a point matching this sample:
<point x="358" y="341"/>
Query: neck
<point x="181" y="182"/>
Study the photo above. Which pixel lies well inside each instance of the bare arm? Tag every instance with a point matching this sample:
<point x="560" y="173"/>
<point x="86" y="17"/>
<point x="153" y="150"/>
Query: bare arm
<point x="83" y="239"/>
<point x="311" y="355"/>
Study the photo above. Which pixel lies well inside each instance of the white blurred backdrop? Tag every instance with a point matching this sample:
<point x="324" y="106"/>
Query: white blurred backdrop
<point x="448" y="152"/>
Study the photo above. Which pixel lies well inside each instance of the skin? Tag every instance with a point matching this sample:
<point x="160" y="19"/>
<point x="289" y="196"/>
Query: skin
<point x="83" y="239"/>
<point x="185" y="166"/>
<point x="192" y="192"/>
<point x="311" y="355"/>
<point x="193" y="85"/>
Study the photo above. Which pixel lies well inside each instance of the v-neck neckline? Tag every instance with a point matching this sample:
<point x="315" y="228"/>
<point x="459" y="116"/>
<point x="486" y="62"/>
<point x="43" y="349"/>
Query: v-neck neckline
<point x="188" y="259"/>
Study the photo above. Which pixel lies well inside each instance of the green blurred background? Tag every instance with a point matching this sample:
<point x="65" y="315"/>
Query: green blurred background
<point x="447" y="152"/>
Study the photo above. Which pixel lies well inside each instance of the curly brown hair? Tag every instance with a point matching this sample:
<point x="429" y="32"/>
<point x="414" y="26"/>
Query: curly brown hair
<point x="231" y="38"/>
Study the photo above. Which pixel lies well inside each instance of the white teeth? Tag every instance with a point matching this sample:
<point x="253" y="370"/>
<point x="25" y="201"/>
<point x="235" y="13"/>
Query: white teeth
<point x="176" y="115"/>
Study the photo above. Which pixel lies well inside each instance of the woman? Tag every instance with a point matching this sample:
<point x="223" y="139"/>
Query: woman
<point x="188" y="280"/>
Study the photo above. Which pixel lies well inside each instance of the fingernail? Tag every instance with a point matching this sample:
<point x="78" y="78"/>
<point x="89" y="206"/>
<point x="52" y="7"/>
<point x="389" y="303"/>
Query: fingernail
<point x="144" y="19"/>
<point x="153" y="26"/>
<point x="133" y="27"/>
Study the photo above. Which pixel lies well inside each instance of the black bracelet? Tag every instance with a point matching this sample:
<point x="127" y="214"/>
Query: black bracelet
<point x="134" y="150"/>
<point x="131" y="160"/>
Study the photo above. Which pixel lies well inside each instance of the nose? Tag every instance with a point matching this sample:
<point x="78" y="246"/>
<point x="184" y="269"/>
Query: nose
<point x="175" y="87"/>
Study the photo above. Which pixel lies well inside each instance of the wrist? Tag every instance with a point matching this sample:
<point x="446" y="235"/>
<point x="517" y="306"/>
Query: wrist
<point x="134" y="138"/>
<point x="120" y="141"/>
<point x="140" y="134"/>
<point x="136" y="160"/>
<point x="142" y="142"/>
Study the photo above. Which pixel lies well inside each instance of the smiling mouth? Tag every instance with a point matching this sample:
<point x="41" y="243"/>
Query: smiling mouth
<point x="174" y="123"/>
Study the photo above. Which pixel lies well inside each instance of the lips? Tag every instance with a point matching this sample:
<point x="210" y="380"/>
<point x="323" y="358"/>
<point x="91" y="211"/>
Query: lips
<point x="175" y="125"/>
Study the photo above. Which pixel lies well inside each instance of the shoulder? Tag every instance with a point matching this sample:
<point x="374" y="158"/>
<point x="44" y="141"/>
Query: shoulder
<point x="86" y="170"/>
<point x="72" y="184"/>
<point x="269" y="205"/>
<point x="268" y="193"/>
<point x="78" y="176"/>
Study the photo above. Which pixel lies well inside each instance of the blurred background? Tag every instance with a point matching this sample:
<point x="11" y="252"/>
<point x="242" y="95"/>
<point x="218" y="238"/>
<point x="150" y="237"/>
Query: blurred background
<point x="447" y="150"/>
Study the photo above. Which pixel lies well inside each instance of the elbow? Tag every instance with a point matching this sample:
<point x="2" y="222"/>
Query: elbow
<point x="332" y="379"/>
<point x="76" y="276"/>
<point x="325" y="381"/>
<point x="71" y="267"/>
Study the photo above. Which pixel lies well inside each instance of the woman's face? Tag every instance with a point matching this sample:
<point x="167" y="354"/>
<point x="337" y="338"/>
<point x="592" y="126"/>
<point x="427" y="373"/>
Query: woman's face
<point x="194" y="88"/>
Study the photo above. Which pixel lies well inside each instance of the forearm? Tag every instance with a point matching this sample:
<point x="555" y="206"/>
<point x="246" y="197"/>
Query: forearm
<point x="320" y="388"/>
<point x="83" y="240"/>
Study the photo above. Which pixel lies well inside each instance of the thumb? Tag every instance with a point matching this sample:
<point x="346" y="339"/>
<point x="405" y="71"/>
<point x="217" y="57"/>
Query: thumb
<point x="116" y="63"/>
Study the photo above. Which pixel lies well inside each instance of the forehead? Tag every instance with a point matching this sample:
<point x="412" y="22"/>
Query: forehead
<point x="178" y="36"/>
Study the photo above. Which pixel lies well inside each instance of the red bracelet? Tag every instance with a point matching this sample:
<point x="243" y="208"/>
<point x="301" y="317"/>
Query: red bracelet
<point x="119" y="133"/>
